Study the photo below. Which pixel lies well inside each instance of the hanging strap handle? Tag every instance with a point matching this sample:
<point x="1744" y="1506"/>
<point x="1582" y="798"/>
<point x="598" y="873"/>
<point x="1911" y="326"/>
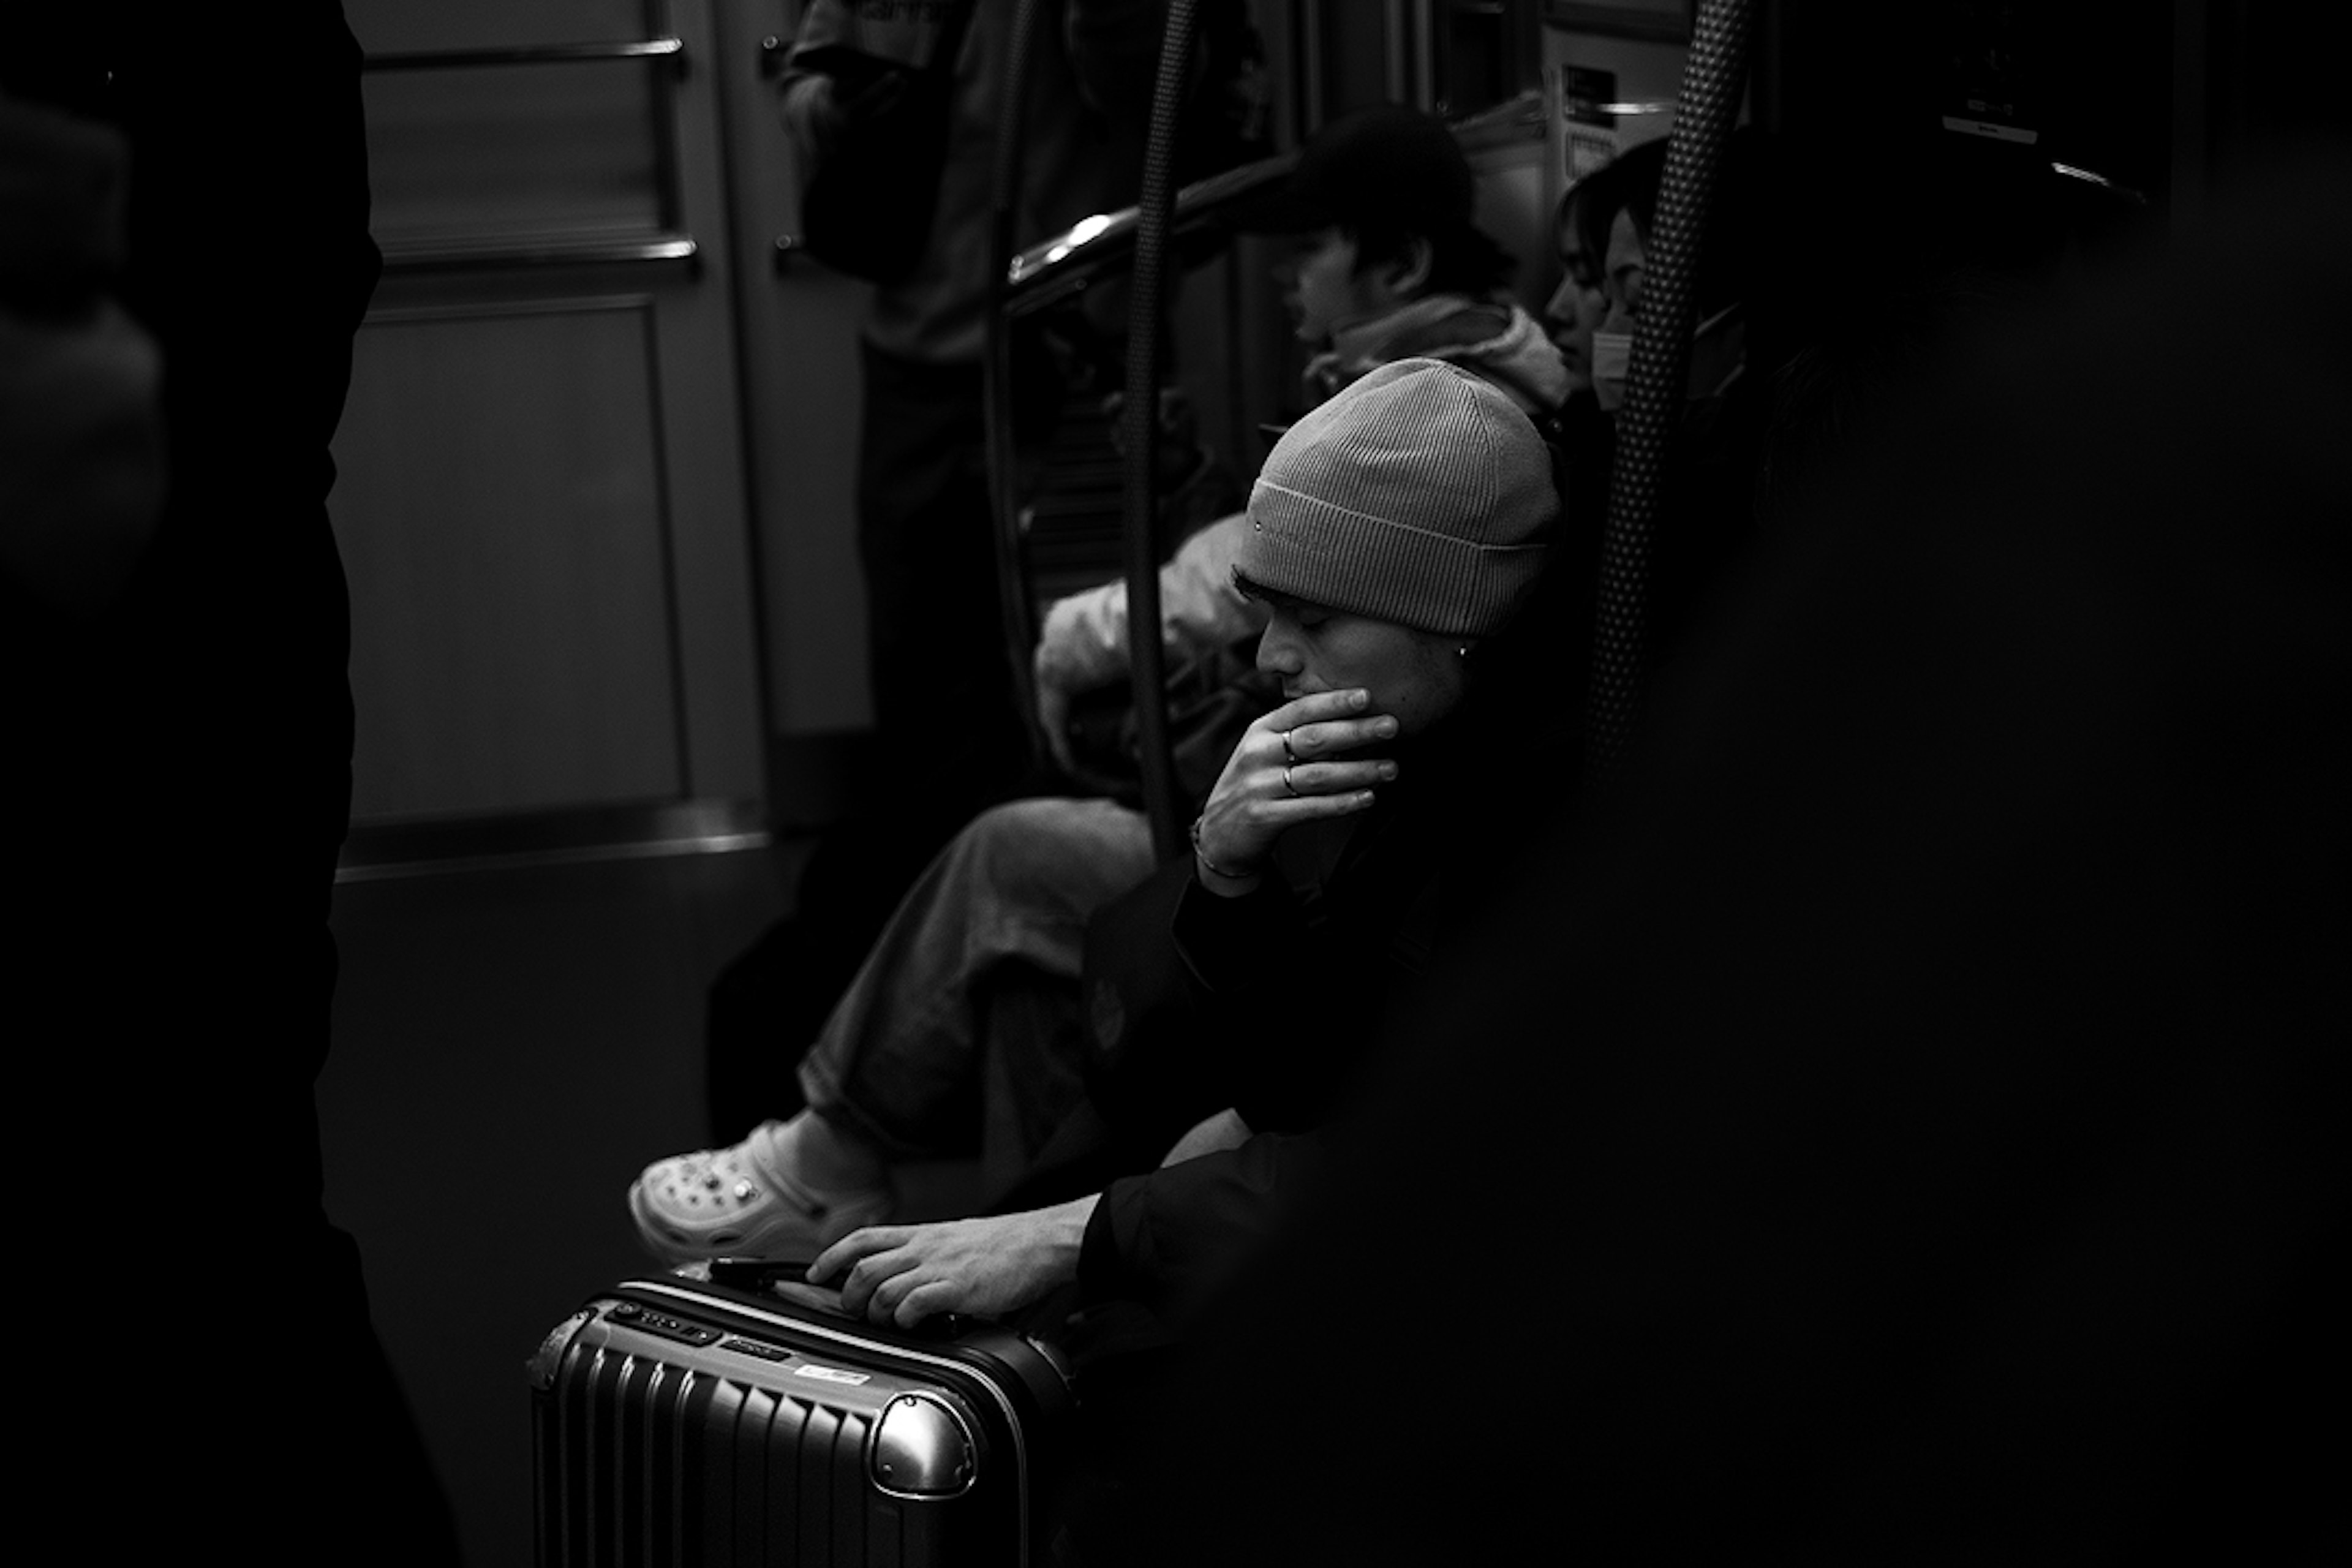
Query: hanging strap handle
<point x="1713" y="76"/>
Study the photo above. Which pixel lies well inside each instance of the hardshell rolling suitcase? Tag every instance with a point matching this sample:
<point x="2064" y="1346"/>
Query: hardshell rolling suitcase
<point x="705" y="1425"/>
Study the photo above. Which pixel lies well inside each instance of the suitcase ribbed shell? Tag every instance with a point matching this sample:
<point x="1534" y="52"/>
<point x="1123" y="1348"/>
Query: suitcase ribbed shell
<point x="674" y="1428"/>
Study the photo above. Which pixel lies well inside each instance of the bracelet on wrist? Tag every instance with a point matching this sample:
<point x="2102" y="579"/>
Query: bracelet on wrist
<point x="1229" y="876"/>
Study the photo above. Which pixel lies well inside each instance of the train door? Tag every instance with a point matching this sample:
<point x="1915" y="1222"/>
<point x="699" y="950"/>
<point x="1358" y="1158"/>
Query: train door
<point x="542" y="499"/>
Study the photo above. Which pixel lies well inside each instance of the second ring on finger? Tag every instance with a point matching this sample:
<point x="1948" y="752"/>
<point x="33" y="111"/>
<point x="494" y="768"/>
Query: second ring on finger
<point x="1288" y="784"/>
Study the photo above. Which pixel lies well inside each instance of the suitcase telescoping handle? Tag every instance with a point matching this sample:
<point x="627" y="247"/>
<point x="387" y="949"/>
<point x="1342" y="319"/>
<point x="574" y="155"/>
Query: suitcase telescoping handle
<point x="760" y="1273"/>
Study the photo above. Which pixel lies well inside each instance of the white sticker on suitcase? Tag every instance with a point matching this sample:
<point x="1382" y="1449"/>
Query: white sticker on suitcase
<point x="830" y="1374"/>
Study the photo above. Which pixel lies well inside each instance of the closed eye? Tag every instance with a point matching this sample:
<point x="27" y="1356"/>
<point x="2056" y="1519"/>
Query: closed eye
<point x="1302" y="613"/>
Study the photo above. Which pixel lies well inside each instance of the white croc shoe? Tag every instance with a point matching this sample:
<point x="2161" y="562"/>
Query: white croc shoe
<point x="737" y="1203"/>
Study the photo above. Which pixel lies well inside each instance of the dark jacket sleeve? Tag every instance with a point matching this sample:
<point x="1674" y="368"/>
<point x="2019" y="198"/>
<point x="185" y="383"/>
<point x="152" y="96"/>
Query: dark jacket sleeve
<point x="1267" y="1003"/>
<point x="1160" y="1007"/>
<point x="1170" y="1238"/>
<point x="1281" y="1027"/>
<point x="1224" y="943"/>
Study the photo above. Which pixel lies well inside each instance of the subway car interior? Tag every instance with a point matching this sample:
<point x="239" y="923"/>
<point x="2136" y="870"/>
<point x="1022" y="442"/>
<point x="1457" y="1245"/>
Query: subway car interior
<point x="1077" y="781"/>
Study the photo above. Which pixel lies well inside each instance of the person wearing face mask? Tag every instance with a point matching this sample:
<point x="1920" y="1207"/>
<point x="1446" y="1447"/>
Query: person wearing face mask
<point x="1603" y="232"/>
<point x="1575" y="307"/>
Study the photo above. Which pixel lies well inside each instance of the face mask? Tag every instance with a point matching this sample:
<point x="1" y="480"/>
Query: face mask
<point x="1613" y="356"/>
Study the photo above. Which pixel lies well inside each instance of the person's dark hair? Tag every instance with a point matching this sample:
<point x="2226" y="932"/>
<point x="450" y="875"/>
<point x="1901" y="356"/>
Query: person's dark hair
<point x="1385" y="176"/>
<point x="1463" y="259"/>
<point x="1570" y="219"/>
<point x="1630" y="182"/>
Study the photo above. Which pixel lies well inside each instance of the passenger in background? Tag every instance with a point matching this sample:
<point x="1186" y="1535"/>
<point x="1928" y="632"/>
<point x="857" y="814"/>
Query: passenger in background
<point x="81" y="423"/>
<point x="1604" y="231"/>
<point x="1382" y="203"/>
<point x="1613" y="214"/>
<point x="1576" y="305"/>
<point x="950" y="737"/>
<point x="944" y="708"/>
<point x="206" y="1377"/>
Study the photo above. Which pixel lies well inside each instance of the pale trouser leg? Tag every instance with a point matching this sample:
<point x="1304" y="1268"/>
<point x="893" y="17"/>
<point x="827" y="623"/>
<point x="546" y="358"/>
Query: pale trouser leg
<point x="899" y="1062"/>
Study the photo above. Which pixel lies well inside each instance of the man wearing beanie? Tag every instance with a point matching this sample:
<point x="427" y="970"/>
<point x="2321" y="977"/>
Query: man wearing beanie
<point x="1418" y="502"/>
<point x="1393" y="534"/>
<point x="1389" y="265"/>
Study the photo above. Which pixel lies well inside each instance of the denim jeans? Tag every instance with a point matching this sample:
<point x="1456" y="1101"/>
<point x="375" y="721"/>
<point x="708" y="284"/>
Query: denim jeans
<point x="904" y="1060"/>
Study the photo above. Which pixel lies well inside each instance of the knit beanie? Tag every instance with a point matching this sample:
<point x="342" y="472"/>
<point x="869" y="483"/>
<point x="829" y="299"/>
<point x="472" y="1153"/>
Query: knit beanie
<point x="1419" y="495"/>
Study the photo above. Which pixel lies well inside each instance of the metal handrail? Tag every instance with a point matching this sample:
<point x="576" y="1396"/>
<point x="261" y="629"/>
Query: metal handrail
<point x="1063" y="264"/>
<point x="1146" y="315"/>
<point x="527" y="55"/>
<point x="1017" y="616"/>
<point x="1051" y="271"/>
<point x="1054" y="269"/>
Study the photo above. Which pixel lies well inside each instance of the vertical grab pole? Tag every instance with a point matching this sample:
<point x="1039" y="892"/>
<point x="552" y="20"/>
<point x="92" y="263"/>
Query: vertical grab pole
<point x="1146" y="308"/>
<point x="1015" y="613"/>
<point x="1713" y="76"/>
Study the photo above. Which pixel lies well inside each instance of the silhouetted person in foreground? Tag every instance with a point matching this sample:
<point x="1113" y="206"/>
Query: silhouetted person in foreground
<point x="204" y="1378"/>
<point x="1905" y="1122"/>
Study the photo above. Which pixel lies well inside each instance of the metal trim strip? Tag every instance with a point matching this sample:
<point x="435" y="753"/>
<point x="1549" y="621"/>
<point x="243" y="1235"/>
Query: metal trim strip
<point x="377" y="850"/>
<point x="528" y="55"/>
<point x="468" y="256"/>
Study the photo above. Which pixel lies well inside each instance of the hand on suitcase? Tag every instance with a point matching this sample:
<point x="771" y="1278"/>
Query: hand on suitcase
<point x="986" y="1267"/>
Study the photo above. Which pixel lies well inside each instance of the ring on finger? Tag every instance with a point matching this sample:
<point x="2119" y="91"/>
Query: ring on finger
<point x="1287" y="784"/>
<point x="1288" y="755"/>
